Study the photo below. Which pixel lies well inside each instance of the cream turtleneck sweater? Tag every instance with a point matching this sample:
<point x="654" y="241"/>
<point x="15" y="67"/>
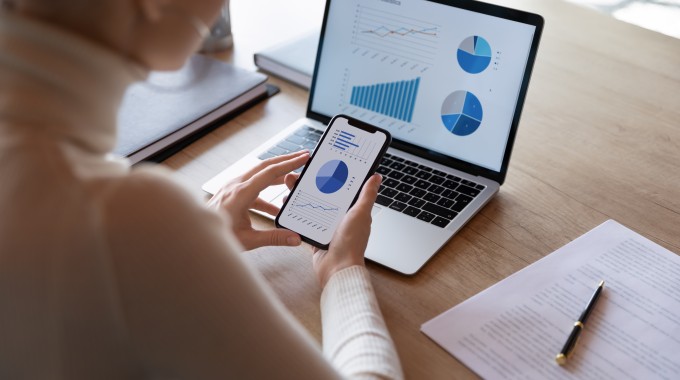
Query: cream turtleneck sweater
<point x="108" y="272"/>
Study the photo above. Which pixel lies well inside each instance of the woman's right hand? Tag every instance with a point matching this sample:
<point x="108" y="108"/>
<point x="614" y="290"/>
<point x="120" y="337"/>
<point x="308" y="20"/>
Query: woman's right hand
<point x="349" y="241"/>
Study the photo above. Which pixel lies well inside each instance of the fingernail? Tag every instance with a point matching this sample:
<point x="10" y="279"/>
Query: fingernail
<point x="293" y="240"/>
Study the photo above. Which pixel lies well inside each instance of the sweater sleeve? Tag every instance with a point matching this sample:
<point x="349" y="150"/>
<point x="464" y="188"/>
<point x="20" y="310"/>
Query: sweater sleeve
<point x="195" y="309"/>
<point x="355" y="338"/>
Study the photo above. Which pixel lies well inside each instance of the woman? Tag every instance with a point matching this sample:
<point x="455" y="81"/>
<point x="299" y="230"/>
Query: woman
<point x="108" y="272"/>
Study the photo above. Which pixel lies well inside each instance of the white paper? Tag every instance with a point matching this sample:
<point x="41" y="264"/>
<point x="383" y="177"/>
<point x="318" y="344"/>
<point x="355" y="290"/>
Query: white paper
<point x="515" y="328"/>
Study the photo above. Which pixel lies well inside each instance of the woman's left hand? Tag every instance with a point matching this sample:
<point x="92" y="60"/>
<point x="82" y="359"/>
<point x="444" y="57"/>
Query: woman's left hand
<point x="241" y="194"/>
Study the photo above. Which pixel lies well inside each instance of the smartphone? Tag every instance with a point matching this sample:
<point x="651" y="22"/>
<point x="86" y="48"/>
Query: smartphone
<point x="348" y="153"/>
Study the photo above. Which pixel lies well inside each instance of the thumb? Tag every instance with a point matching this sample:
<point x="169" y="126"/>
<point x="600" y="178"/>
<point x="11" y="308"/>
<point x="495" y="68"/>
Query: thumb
<point x="275" y="237"/>
<point x="369" y="193"/>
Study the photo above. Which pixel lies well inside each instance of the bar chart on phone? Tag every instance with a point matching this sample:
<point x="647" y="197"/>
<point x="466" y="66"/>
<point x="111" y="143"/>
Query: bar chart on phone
<point x="351" y="146"/>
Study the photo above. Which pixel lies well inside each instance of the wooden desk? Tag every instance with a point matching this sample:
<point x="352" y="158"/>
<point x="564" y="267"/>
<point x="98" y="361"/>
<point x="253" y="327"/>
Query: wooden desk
<point x="599" y="139"/>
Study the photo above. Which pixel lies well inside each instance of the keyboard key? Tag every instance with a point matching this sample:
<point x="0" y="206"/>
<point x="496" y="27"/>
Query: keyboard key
<point x="289" y="146"/>
<point x="383" y="200"/>
<point x="445" y="202"/>
<point x="410" y="170"/>
<point x="418" y="192"/>
<point x="397" y="165"/>
<point x="387" y="155"/>
<point x="390" y="193"/>
<point x="302" y="132"/>
<point x="404" y="187"/>
<point x="381" y="188"/>
<point x="423" y="174"/>
<point x="389" y="182"/>
<point x="398" y="159"/>
<point x="461" y="202"/>
<point x="453" y="177"/>
<point x="416" y="202"/>
<point x="431" y="197"/>
<point x="450" y="184"/>
<point x="440" y="222"/>
<point x="425" y="168"/>
<point x="469" y="183"/>
<point x="450" y="194"/>
<point x="309" y="145"/>
<point x="425" y="216"/>
<point x="467" y="190"/>
<point x="437" y="179"/>
<point x="408" y="179"/>
<point x="479" y="187"/>
<point x="422" y="184"/>
<point x="410" y="163"/>
<point x="265" y="156"/>
<point x="440" y="211"/>
<point x="276" y="151"/>
<point x="402" y="197"/>
<point x="398" y="206"/>
<point x="436" y="189"/>
<point x="297" y="140"/>
<point x="439" y="173"/>
<point x="395" y="174"/>
<point x="386" y="161"/>
<point x="383" y="170"/>
<point x="411" y="211"/>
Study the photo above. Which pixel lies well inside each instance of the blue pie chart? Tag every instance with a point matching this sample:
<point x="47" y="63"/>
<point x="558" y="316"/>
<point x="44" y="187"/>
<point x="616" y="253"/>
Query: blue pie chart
<point x="332" y="176"/>
<point x="474" y="54"/>
<point x="462" y="113"/>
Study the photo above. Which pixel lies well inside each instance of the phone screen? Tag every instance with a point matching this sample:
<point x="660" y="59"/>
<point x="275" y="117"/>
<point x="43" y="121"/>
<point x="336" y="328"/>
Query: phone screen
<point x="330" y="183"/>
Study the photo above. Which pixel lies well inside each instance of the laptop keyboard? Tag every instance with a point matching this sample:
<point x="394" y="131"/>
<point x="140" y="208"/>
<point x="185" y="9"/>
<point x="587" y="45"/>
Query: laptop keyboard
<point x="408" y="187"/>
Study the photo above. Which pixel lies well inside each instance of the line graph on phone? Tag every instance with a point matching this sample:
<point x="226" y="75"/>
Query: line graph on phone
<point x="312" y="211"/>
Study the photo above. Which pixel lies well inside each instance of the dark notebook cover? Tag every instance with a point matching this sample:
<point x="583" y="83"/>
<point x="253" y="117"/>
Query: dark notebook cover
<point x="170" y="108"/>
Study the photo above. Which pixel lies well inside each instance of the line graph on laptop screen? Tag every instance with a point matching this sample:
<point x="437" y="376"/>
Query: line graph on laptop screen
<point x="394" y="39"/>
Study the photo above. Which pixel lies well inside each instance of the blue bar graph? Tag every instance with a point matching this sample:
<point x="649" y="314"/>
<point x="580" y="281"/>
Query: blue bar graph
<point x="344" y="140"/>
<point x="393" y="99"/>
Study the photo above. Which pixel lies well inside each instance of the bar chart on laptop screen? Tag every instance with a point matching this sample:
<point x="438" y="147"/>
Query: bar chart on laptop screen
<point x="393" y="99"/>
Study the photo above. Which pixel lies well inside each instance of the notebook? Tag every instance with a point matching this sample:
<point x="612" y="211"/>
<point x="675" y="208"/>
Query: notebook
<point x="292" y="60"/>
<point x="448" y="79"/>
<point x="170" y="109"/>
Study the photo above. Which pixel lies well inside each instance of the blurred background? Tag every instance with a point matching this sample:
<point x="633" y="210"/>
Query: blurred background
<point x="662" y="16"/>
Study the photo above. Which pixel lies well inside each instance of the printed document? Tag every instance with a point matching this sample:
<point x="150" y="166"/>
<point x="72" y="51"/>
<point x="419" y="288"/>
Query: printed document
<point x="515" y="328"/>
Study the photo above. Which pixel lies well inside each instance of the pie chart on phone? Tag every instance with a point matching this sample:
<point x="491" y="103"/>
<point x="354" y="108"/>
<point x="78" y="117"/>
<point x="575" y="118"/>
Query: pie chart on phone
<point x="332" y="176"/>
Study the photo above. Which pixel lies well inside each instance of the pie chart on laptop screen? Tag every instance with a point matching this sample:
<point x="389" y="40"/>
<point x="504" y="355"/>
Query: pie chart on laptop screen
<point x="474" y="54"/>
<point x="462" y="113"/>
<point x="332" y="176"/>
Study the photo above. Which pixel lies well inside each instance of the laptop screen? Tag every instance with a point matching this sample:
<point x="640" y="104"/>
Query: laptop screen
<point x="447" y="80"/>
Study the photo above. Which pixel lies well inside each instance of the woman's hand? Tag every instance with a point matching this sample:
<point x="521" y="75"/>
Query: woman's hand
<point x="351" y="238"/>
<point x="241" y="194"/>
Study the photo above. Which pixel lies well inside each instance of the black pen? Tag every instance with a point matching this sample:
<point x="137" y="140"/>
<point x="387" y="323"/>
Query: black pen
<point x="562" y="357"/>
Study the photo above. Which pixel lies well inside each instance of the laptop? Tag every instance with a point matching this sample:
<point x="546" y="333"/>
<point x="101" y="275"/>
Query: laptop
<point x="448" y="80"/>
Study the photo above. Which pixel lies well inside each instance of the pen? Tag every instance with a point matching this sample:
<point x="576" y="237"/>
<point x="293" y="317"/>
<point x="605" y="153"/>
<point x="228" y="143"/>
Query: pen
<point x="562" y="357"/>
